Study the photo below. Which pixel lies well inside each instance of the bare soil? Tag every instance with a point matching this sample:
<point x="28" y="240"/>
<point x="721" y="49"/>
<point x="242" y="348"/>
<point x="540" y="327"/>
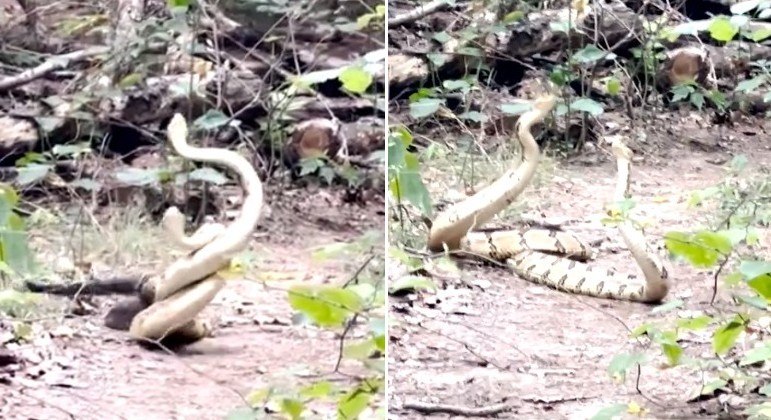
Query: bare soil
<point x="75" y="368"/>
<point x="488" y="337"/>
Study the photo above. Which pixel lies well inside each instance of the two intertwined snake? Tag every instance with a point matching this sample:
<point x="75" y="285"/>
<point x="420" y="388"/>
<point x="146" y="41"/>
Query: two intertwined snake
<point x="548" y="257"/>
<point x="175" y="297"/>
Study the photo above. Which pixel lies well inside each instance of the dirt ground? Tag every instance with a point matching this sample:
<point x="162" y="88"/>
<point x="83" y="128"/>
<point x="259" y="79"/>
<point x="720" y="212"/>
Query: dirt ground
<point x="81" y="370"/>
<point x="489" y="338"/>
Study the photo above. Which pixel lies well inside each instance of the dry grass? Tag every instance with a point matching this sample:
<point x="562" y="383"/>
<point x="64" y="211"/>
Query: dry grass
<point x="124" y="241"/>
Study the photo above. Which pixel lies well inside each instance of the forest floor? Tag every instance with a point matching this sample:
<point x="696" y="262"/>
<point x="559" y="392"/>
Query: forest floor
<point x="75" y="368"/>
<point x="487" y="337"/>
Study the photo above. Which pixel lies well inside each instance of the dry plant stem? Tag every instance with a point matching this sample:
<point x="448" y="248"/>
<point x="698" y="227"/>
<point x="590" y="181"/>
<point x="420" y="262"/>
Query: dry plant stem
<point x="59" y="62"/>
<point x="417" y="13"/>
<point x="457" y="410"/>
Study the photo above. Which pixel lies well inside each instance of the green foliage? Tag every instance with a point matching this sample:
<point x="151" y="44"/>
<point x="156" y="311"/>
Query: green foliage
<point x="355" y="79"/>
<point x="739" y="204"/>
<point x="722" y="29"/>
<point x="404" y="179"/>
<point x="702" y="249"/>
<point x="329" y="171"/>
<point x="373" y="19"/>
<point x="15" y="258"/>
<point x="353" y="309"/>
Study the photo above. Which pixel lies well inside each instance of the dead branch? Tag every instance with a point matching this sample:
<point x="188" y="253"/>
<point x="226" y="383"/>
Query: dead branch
<point x="456" y="410"/>
<point x="417" y="13"/>
<point x="59" y="62"/>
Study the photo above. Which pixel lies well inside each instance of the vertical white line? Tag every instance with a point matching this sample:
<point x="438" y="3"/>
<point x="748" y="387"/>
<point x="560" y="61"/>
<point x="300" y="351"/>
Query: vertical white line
<point x="386" y="218"/>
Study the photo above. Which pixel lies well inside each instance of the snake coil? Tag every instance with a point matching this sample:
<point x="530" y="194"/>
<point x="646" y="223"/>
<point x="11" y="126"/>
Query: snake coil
<point x="552" y="258"/>
<point x="183" y="290"/>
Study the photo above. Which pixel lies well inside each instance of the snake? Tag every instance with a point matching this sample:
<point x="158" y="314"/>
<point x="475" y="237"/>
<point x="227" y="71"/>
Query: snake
<point x="174" y="298"/>
<point x="163" y="308"/>
<point x="552" y="258"/>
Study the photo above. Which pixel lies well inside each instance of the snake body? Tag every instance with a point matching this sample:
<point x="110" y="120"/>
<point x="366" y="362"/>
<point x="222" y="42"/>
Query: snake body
<point x="551" y="258"/>
<point x="183" y="290"/>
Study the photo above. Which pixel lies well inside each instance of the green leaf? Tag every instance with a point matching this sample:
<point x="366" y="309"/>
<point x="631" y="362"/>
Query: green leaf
<point x="514" y="16"/>
<point x="71" y="149"/>
<point x="516" y="108"/>
<point x="437" y="59"/>
<point x="365" y="291"/>
<point x="326" y="306"/>
<point x="750" y="85"/>
<point x="137" y="177"/>
<point x="355" y="79"/>
<point x="211" y="120"/>
<point x="718" y="98"/>
<point x="697" y="100"/>
<point x="310" y="165"/>
<point x="32" y="173"/>
<point x="327" y="174"/>
<point x="758" y="274"/>
<point x="317" y="390"/>
<point x="696" y="323"/>
<point x="680" y="92"/>
<point x="397" y="147"/>
<point x="412" y="283"/>
<point x="614" y="86"/>
<point x="713" y="386"/>
<point x="86" y="184"/>
<point x="407" y="185"/>
<point x="621" y="363"/>
<point x="380" y="342"/>
<point x="14" y="246"/>
<point x="8" y="200"/>
<point x="352" y="404"/>
<point x="563" y="26"/>
<point x="760" y="411"/>
<point x="754" y="301"/>
<point x="474" y="116"/>
<point x="587" y="105"/>
<point x="425" y="107"/>
<point x="671" y="305"/>
<point x="130" y="80"/>
<point x="589" y="54"/>
<point x="761" y="285"/>
<point x="360" y="350"/>
<point x="442" y="37"/>
<point x="453" y="85"/>
<point x="758" y="354"/>
<point x="702" y="249"/>
<point x="669" y="346"/>
<point x="333" y="250"/>
<point x="292" y="407"/>
<point x="725" y="337"/>
<point x="760" y="34"/>
<point x="721" y="29"/>
<point x="610" y="412"/>
<point x="743" y="7"/>
<point x="242" y="413"/>
<point x="643" y="329"/>
<point x="207" y="174"/>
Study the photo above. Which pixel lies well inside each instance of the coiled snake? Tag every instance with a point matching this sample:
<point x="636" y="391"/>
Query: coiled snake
<point x="551" y="258"/>
<point x="175" y="297"/>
